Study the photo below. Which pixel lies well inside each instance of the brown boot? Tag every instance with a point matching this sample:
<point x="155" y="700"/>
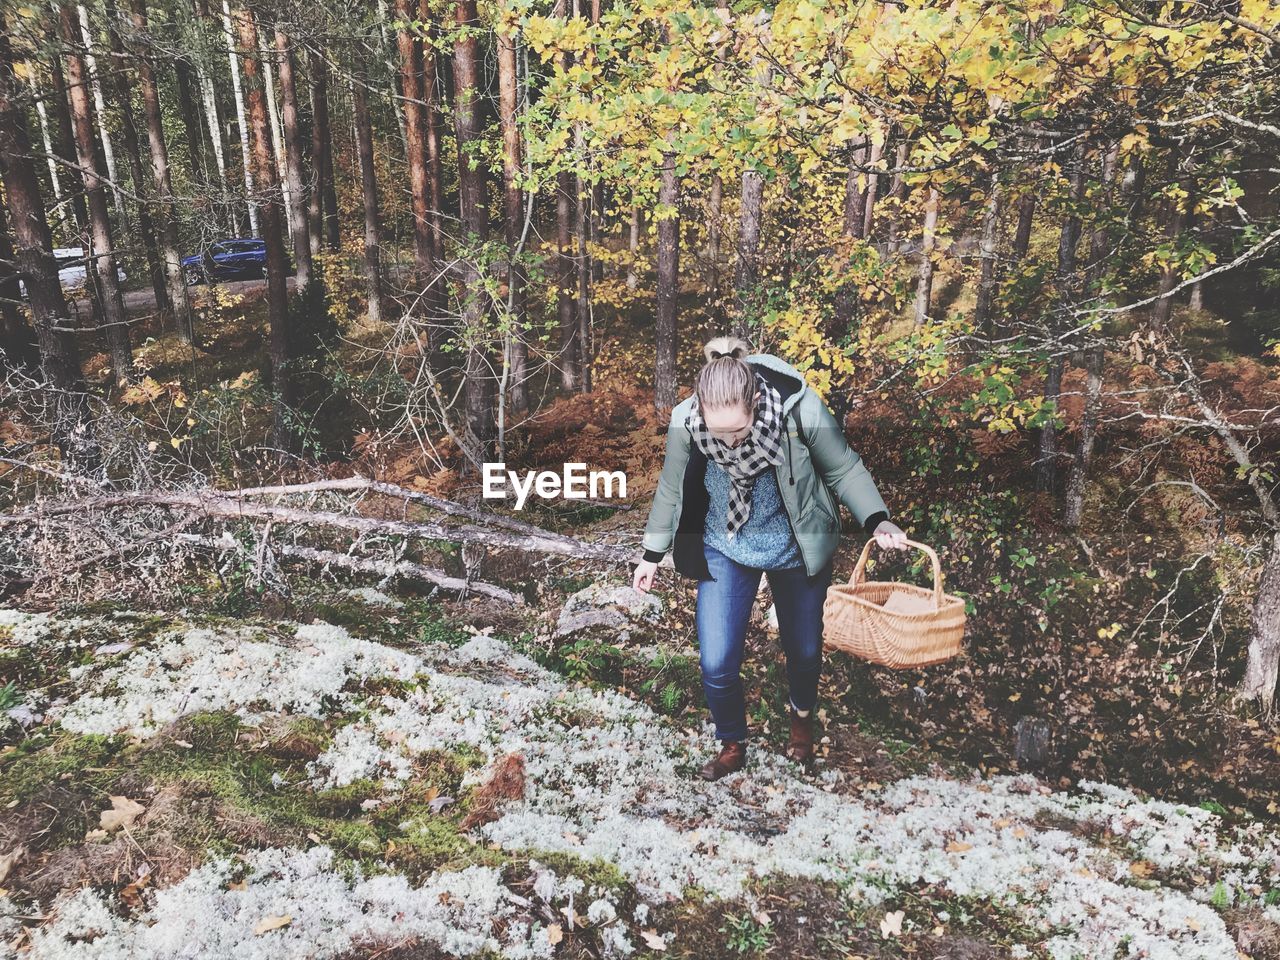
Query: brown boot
<point x="732" y="757"/>
<point x="800" y="745"/>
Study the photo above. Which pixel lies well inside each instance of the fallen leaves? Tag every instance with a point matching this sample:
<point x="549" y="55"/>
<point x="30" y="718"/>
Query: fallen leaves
<point x="131" y="894"/>
<point x="653" y="940"/>
<point x="891" y="924"/>
<point x="267" y="924"/>
<point x="11" y="860"/>
<point x="122" y="814"/>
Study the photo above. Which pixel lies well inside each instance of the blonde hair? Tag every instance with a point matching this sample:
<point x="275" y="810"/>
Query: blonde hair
<point x="726" y="379"/>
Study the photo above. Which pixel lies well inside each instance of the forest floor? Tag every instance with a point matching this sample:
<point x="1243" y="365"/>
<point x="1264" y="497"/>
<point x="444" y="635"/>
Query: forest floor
<point x="397" y="778"/>
<point x="348" y="762"/>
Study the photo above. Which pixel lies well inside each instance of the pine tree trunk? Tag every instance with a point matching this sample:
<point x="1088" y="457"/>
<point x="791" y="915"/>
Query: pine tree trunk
<point x="410" y="46"/>
<point x="369" y="185"/>
<point x="513" y="216"/>
<point x="324" y="204"/>
<point x="170" y="248"/>
<point x="33" y="256"/>
<point x="65" y="144"/>
<point x="190" y="120"/>
<point x="100" y="115"/>
<point x="17" y="340"/>
<point x="664" y="367"/>
<point x="479" y="390"/>
<point x="431" y="88"/>
<point x="264" y="162"/>
<point x="294" y="154"/>
<point x="113" y="319"/>
<point x="265" y="55"/>
<point x="133" y="151"/>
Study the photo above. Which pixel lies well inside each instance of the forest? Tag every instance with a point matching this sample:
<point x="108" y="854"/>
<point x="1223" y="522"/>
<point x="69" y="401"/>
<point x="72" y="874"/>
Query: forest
<point x="281" y="281"/>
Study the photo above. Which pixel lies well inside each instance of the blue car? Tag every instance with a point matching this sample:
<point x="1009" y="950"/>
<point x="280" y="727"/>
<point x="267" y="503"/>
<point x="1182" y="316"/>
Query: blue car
<point x="234" y="259"/>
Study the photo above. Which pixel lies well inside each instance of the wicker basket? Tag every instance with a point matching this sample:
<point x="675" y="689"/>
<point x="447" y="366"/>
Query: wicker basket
<point x="854" y="620"/>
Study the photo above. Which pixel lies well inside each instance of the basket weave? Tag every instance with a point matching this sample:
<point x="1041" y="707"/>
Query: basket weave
<point x="854" y="620"/>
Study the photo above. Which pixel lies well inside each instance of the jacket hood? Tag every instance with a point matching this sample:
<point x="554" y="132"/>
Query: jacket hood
<point x="785" y="378"/>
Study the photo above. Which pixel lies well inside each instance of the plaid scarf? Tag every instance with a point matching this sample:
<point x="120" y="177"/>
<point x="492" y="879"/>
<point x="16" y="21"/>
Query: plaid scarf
<point x="761" y="449"/>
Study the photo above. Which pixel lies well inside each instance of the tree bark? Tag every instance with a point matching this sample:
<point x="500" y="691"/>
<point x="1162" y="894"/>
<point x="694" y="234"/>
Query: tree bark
<point x="479" y="390"/>
<point x="369" y="184"/>
<point x="100" y="115"/>
<point x="65" y="144"/>
<point x="264" y="162"/>
<point x="873" y="188"/>
<point x="1068" y="247"/>
<point x="855" y="196"/>
<point x="664" y="366"/>
<point x="1263" y="665"/>
<point x="133" y="151"/>
<point x="17" y="340"/>
<point x="633" y="246"/>
<point x="55" y="177"/>
<point x="989" y="247"/>
<point x="242" y="122"/>
<point x="294" y="153"/>
<point x="1026" y="220"/>
<point x="898" y="190"/>
<point x="748" y="270"/>
<point x="190" y="120"/>
<point x="324" y="196"/>
<point x="170" y="249"/>
<point x="113" y="320"/>
<point x="435" y="169"/>
<point x="928" y="240"/>
<point x="33" y="256"/>
<point x="1078" y="478"/>
<point x="513" y="216"/>
<point x="410" y="47"/>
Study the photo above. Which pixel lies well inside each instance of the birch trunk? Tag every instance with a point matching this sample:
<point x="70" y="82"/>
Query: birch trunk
<point x="233" y="58"/>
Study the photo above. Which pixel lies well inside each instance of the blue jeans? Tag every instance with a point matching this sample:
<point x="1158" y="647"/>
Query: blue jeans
<point x="723" y="610"/>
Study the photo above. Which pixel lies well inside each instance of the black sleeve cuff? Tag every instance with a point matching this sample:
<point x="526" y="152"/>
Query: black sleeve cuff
<point x="654" y="556"/>
<point x="869" y="525"/>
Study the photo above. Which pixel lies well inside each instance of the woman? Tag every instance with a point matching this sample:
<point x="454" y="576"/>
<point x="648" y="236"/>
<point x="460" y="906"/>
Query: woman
<point x="755" y="465"/>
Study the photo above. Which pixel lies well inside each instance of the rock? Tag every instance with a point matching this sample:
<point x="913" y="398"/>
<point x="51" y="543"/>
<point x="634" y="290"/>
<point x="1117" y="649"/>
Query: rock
<point x="612" y="607"/>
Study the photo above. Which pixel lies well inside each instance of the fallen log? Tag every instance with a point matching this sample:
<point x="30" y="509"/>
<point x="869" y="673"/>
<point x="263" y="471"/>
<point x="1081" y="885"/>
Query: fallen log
<point x="383" y="568"/>
<point x="230" y="506"/>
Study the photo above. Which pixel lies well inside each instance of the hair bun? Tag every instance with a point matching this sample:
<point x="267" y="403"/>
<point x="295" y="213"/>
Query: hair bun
<point x="726" y="346"/>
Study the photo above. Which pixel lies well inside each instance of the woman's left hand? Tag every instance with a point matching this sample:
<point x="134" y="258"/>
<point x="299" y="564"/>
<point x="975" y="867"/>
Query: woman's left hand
<point x="890" y="536"/>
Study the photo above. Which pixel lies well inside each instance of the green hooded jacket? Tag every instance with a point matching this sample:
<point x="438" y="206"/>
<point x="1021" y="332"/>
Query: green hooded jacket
<point x="817" y="473"/>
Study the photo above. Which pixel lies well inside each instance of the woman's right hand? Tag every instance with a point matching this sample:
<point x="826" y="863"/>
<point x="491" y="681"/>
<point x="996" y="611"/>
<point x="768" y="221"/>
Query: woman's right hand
<point x="645" y="572"/>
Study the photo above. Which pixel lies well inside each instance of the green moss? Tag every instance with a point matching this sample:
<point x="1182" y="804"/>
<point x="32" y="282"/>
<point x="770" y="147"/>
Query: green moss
<point x="46" y="759"/>
<point x="358" y="618"/>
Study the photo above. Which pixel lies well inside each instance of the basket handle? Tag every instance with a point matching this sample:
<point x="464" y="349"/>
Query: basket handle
<point x="858" y="570"/>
